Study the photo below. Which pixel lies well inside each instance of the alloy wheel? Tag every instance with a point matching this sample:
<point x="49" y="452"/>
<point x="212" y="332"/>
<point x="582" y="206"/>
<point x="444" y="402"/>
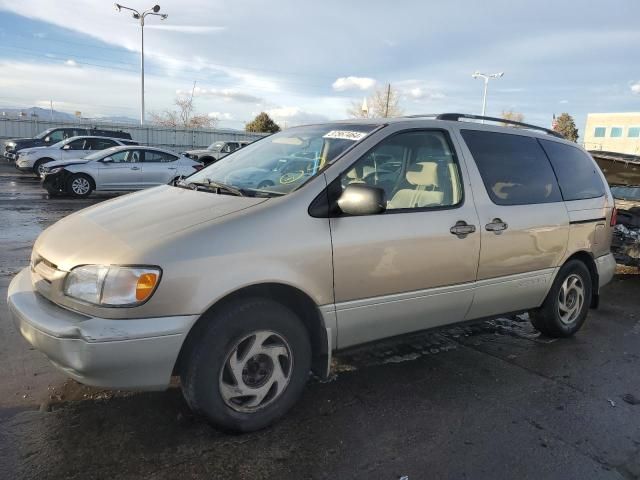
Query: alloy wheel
<point x="80" y="186"/>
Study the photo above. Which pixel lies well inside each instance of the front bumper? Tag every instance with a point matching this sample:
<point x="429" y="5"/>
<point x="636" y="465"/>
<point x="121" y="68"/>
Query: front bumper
<point x="24" y="166"/>
<point x="606" y="266"/>
<point x="54" y="182"/>
<point x="125" y="354"/>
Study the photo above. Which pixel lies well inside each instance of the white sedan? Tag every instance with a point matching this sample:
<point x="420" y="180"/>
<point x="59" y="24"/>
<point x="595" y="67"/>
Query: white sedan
<point x="33" y="159"/>
<point x="116" y="169"/>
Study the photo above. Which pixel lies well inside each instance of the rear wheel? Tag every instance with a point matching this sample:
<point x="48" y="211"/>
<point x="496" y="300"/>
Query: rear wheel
<point x="79" y="185"/>
<point x="565" y="309"/>
<point x="248" y="366"/>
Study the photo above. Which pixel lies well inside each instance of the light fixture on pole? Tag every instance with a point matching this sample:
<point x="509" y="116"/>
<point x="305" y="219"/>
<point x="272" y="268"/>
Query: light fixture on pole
<point x="486" y="78"/>
<point x="141" y="16"/>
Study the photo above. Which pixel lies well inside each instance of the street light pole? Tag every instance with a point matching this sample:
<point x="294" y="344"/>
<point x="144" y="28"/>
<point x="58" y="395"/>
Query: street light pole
<point x="141" y="16"/>
<point x="486" y="78"/>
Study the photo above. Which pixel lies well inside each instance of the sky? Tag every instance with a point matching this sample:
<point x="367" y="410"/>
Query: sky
<point x="305" y="62"/>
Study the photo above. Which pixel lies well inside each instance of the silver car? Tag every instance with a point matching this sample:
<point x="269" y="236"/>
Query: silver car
<point x="33" y="159"/>
<point x="402" y="225"/>
<point x="116" y="169"/>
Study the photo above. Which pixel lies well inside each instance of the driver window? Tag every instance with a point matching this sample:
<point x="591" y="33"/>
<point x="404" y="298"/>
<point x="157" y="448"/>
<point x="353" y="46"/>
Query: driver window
<point x="55" y="137"/>
<point x="415" y="169"/>
<point x="126" y="156"/>
<point x="76" y="144"/>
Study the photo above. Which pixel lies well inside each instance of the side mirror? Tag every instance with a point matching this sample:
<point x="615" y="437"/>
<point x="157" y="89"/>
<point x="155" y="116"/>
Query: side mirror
<point x="47" y="139"/>
<point x="107" y="160"/>
<point x="359" y="199"/>
<point x="66" y="147"/>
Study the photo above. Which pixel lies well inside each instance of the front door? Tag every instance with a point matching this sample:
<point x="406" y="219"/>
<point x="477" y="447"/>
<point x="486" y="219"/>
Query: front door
<point x="406" y="269"/>
<point x="524" y="224"/>
<point x="120" y="171"/>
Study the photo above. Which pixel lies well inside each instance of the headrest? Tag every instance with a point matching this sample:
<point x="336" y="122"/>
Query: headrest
<point x="423" y="173"/>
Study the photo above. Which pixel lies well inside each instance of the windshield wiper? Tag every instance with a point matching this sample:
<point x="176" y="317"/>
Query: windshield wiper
<point x="210" y="184"/>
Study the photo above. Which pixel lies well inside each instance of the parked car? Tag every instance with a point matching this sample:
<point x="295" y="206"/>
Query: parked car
<point x="216" y="151"/>
<point x="622" y="172"/>
<point x="116" y="169"/>
<point x="34" y="159"/>
<point x="55" y="135"/>
<point x="281" y="170"/>
<point x="241" y="291"/>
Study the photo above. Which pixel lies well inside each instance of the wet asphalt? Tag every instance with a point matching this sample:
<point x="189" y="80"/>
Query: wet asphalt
<point x="490" y="400"/>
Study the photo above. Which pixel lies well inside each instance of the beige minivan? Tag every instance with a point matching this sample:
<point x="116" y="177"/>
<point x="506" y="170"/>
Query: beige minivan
<point x="364" y="230"/>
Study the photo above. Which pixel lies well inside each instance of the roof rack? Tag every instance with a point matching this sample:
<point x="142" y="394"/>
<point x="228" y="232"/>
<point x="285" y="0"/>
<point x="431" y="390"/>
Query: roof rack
<point x="455" y="117"/>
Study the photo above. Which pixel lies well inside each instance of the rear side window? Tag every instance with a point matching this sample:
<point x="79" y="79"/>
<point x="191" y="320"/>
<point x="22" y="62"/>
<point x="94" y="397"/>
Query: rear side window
<point x="514" y="168"/>
<point x="158" y="157"/>
<point x="577" y="173"/>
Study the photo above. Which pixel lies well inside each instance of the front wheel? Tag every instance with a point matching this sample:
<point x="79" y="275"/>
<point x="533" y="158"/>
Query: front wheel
<point x="248" y="365"/>
<point x="39" y="166"/>
<point x="565" y="309"/>
<point x="79" y="185"/>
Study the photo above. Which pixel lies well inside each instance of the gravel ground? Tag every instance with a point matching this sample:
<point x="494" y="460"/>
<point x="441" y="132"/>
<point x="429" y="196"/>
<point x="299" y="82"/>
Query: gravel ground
<point x="489" y="400"/>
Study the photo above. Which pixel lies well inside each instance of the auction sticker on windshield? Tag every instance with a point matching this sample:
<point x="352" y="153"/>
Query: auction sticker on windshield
<point x="345" y="135"/>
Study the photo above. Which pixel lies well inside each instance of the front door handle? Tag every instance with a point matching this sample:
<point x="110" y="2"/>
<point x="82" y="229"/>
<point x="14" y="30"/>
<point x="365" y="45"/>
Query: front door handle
<point x="461" y="229"/>
<point x="496" y="226"/>
<point x="172" y="168"/>
<point x="135" y="168"/>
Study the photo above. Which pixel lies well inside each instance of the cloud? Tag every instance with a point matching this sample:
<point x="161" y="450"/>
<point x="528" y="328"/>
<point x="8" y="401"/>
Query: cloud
<point x="353" y="83"/>
<point x="71" y="63"/>
<point x="291" y="116"/>
<point x="635" y="88"/>
<point x="228" y="94"/>
<point x="197" y="29"/>
<point x="419" y="90"/>
<point x="221" y="115"/>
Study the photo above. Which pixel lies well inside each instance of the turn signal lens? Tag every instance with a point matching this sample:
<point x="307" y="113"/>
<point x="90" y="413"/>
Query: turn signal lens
<point x="146" y="284"/>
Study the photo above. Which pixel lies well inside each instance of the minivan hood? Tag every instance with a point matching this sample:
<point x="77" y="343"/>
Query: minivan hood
<point x="122" y="229"/>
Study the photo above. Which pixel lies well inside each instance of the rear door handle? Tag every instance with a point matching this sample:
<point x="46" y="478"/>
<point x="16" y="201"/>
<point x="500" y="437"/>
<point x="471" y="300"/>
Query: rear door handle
<point x="496" y="226"/>
<point x="172" y="168"/>
<point x="135" y="168"/>
<point x="461" y="229"/>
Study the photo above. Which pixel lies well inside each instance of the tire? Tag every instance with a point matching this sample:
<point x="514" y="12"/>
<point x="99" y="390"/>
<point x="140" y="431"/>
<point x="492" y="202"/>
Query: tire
<point x="225" y="344"/>
<point x="206" y="161"/>
<point x="39" y="163"/>
<point x="563" y="312"/>
<point x="79" y="185"/>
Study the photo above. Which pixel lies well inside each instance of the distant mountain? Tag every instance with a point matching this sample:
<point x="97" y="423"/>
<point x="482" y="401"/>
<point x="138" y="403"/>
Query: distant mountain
<point x="58" y="116"/>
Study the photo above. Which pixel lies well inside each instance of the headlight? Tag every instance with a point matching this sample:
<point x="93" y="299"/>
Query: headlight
<point x="53" y="170"/>
<point x="112" y="286"/>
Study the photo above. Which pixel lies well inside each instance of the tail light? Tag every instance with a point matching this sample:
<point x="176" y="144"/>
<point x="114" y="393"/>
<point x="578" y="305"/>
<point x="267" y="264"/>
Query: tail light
<point x="198" y="167"/>
<point x="614" y="217"/>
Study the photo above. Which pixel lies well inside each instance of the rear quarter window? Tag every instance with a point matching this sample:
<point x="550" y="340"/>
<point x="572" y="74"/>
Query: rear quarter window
<point x="577" y="173"/>
<point x="514" y="168"/>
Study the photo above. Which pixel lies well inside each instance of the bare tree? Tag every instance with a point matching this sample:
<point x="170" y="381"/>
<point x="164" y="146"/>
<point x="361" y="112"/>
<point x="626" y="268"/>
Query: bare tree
<point x="184" y="116"/>
<point x="384" y="102"/>
<point x="511" y="115"/>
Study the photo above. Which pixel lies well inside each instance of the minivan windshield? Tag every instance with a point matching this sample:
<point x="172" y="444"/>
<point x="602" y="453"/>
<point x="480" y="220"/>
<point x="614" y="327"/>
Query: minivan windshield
<point x="280" y="163"/>
<point x="625" y="193"/>
<point x="216" y="146"/>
